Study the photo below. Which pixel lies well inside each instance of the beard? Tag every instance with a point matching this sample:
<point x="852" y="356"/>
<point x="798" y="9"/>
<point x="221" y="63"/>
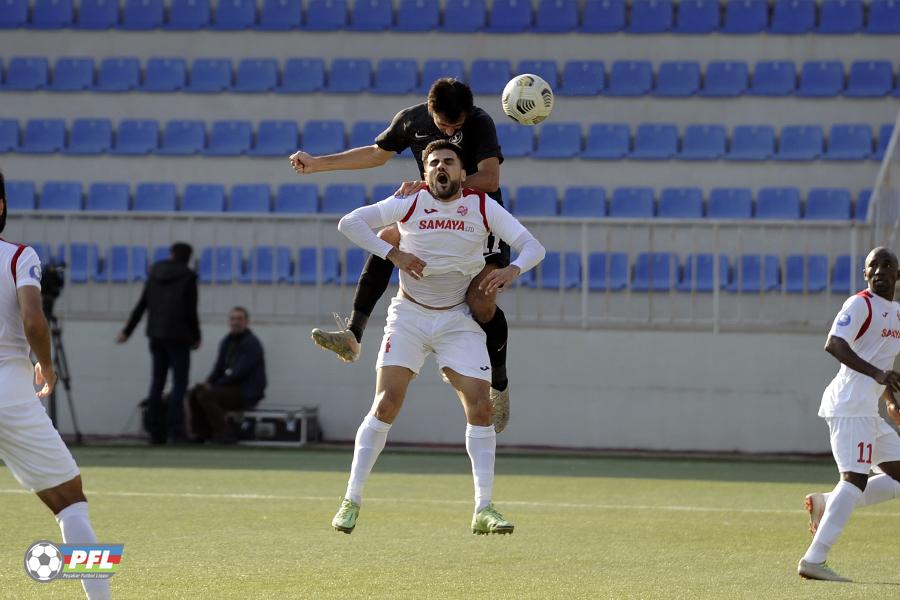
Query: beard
<point x="446" y="188"/>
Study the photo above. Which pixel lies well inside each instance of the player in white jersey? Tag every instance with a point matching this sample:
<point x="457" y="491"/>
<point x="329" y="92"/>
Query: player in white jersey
<point x="442" y="229"/>
<point x="865" y="338"/>
<point x="29" y="444"/>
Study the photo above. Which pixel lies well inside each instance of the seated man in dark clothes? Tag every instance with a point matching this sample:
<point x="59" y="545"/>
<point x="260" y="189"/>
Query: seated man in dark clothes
<point x="237" y="381"/>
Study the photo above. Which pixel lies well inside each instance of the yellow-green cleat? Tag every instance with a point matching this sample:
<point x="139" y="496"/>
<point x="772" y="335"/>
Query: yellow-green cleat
<point x="347" y="514"/>
<point x="488" y="520"/>
<point x="820" y="571"/>
<point x="342" y="342"/>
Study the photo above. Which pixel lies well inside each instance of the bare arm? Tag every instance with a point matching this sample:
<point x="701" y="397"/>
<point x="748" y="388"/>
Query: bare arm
<point x="364" y="157"/>
<point x="841" y="350"/>
<point x="487" y="179"/>
<point x="37" y="332"/>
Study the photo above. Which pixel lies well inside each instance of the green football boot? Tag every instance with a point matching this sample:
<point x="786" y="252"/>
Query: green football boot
<point x="347" y="514"/>
<point x="488" y="520"/>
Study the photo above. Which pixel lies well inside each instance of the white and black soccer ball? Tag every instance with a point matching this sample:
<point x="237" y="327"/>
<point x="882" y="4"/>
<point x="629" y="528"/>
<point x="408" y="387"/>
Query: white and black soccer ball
<point x="527" y="99"/>
<point x="43" y="561"/>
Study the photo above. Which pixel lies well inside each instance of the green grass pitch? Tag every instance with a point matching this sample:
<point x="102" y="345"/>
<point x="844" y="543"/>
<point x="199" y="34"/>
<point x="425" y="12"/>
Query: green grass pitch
<point x="222" y="523"/>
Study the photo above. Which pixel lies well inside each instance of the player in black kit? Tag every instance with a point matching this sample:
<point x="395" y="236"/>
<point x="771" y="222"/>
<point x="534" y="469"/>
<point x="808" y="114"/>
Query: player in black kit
<point x="449" y="113"/>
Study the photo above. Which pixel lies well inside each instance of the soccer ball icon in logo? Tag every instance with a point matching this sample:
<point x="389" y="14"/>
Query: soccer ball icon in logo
<point x="43" y="561"/>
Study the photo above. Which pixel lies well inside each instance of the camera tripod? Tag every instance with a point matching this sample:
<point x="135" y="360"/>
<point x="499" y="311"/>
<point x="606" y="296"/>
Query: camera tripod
<point x="61" y="365"/>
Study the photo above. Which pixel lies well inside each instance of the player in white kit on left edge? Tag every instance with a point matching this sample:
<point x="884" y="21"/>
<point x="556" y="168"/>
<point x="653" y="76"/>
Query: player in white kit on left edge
<point x="29" y="444"/>
<point x="442" y="233"/>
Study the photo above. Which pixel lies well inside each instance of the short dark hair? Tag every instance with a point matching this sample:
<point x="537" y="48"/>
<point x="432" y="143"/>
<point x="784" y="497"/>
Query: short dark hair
<point x="181" y="252"/>
<point x="2" y="188"/>
<point x="450" y="98"/>
<point x="442" y="145"/>
<point x="241" y="309"/>
<point x="5" y="203"/>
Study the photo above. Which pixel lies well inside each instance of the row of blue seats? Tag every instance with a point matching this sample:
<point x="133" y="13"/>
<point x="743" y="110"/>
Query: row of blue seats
<point x="466" y="16"/>
<point x="529" y="201"/>
<point x="673" y="79"/>
<point x="603" y="141"/>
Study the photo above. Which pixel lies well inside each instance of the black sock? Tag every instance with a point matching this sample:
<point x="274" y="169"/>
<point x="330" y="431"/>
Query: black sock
<point x="371" y="287"/>
<point x="497" y="333"/>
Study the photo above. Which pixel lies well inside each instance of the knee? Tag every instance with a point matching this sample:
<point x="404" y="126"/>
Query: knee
<point x="387" y="407"/>
<point x="480" y="412"/>
<point x="483" y="306"/>
<point x="391" y="235"/>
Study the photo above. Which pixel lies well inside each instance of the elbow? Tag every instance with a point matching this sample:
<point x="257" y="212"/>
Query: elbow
<point x="542" y="252"/>
<point x="343" y="224"/>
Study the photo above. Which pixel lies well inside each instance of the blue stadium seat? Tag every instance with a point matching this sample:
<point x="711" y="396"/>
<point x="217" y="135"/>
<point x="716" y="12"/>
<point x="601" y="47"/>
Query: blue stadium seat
<point x="302" y="76"/>
<point x="297" y="198"/>
<point x="9" y="135"/>
<point x="681" y="203"/>
<point x="221" y="264"/>
<point x="752" y="142"/>
<point x="820" y="78"/>
<point x="188" y="15"/>
<point x="800" y="142"/>
<point x="363" y="133"/>
<point x="61" y="195"/>
<point x="136" y="137"/>
<point x="730" y="203"/>
<point x="545" y="69"/>
<point x="203" y="197"/>
<point x="250" y="198"/>
<point x="650" y="16"/>
<point x="82" y="262"/>
<point x="884" y="136"/>
<point x="861" y="210"/>
<point x="26" y="73"/>
<point x="323" y="137"/>
<point x="283" y="15"/>
<point x="515" y="140"/>
<point x="90" y="136"/>
<point x="550" y="274"/>
<point x="840" y="16"/>
<point x="72" y="75"/>
<point x="417" y="15"/>
<point x="840" y="275"/>
<point x="849" y="142"/>
<point x="97" y="14"/>
<point x="396" y="76"/>
<point x="142" y="14"/>
<point x="608" y="141"/>
<point x="230" y="138"/>
<point x="699" y="273"/>
<point x="353" y="266"/>
<point x="382" y="191"/>
<point x="510" y="16"/>
<point x="806" y="274"/>
<point x="607" y="272"/>
<point x="536" y="201"/>
<point x="349" y="75"/>
<point x="371" y="15"/>
<point x="584" y="201"/>
<point x="164" y="75"/>
<point x="183" y="138"/>
<point x="51" y="14"/>
<point x="118" y="75"/>
<point x="308" y="266"/>
<point x="632" y="203"/>
<point x="677" y="79"/>
<point x="435" y="69"/>
<point x="746" y="16"/>
<point x="256" y="75"/>
<point x="155" y="197"/>
<point x="558" y="140"/>
<point x="209" y="75"/>
<point x="464" y="16"/>
<point x="268" y="265"/>
<point x="43" y="136"/>
<point x="828" y="204"/>
<point x="489" y="76"/>
<point x="654" y="272"/>
<point x="161" y="253"/>
<point x="703" y="142"/>
<point x="630" y="78"/>
<point x="582" y="78"/>
<point x="793" y="17"/>
<point x="655" y="141"/>
<point x="13" y="13"/>
<point x="342" y="198"/>
<point x="778" y="203"/>
<point x="108" y="197"/>
<point x="126" y="264"/>
<point x="556" y="16"/>
<point x="884" y="17"/>
<point x="725" y="78"/>
<point x="276" y="138"/>
<point x="870" y="78"/>
<point x="603" y="16"/>
<point x="774" y="78"/>
<point x="235" y="15"/>
<point x="697" y="16"/>
<point x="20" y="195"/>
<point x="755" y="274"/>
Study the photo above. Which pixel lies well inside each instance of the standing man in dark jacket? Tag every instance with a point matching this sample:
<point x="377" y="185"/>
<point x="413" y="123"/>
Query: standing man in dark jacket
<point x="237" y="381"/>
<point x="170" y="298"/>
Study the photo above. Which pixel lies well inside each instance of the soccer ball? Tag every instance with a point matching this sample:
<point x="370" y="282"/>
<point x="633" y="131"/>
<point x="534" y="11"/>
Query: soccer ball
<point x="527" y="99"/>
<point x="43" y="561"/>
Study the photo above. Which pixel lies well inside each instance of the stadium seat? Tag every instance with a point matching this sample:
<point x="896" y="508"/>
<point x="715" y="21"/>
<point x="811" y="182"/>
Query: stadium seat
<point x="849" y="142"/>
<point x="155" y="197"/>
<point x="840" y="16"/>
<point x="250" y="198"/>
<point x="752" y="142"/>
<point x="13" y="13"/>
<point x="230" y="138"/>
<point x="884" y="17"/>
<point x="632" y="203"/>
<point x="819" y="79"/>
<point x="108" y="197"/>
<point x="730" y="203"/>
<point x="142" y="14"/>
<point x="870" y="78"/>
<point x="535" y="201"/>
<point x="276" y="138"/>
<point x="209" y="75"/>
<point x="72" y="75"/>
<point x="326" y="15"/>
<point x="608" y="141"/>
<point x="800" y="142"/>
<point x="323" y="137"/>
<point x="829" y="204"/>
<point x="489" y="76"/>
<point x="417" y="15"/>
<point x="884" y="137"/>
<point x="302" y="76"/>
<point x="725" y="78"/>
<point x="118" y="75"/>
<point x="61" y="195"/>
<point x="256" y="75"/>
<point x="90" y="136"/>
<point x="349" y="76"/>
<point x="583" y="201"/>
<point x="183" y="138"/>
<point x="382" y="191"/>
<point x="607" y="272"/>
<point x="650" y="16"/>
<point x="188" y="15"/>
<point x="396" y="76"/>
<point x="221" y="264"/>
<point x="9" y="135"/>
<point x="746" y="16"/>
<point x="308" y="266"/>
<point x="703" y="142"/>
<point x="545" y="69"/>
<point x="44" y="252"/>
<point x="755" y="274"/>
<point x="268" y="265"/>
<point x="630" y="78"/>
<point x="235" y="15"/>
<point x="699" y="273"/>
<point x="97" y="14"/>
<point x="297" y="198"/>
<point x="354" y="261"/>
<point x="20" y="195"/>
<point x="677" y="79"/>
<point x="136" y="137"/>
<point x="43" y="136"/>
<point x="861" y="210"/>
<point x="806" y="274"/>
<point x="164" y="75"/>
<point x="549" y="273"/>
<point x="342" y="198"/>
<point x="283" y="15"/>
<point x="793" y="16"/>
<point x="840" y="275"/>
<point x="774" y="78"/>
<point x="778" y="203"/>
<point x="655" y="141"/>
<point x="464" y="16"/>
<point x="82" y="262"/>
<point x="681" y="203"/>
<point x="26" y="73"/>
<point x="558" y="140"/>
<point x="200" y="197"/>
<point x="510" y="16"/>
<point x="603" y="16"/>
<point x="371" y="15"/>
<point x="515" y="140"/>
<point x="363" y="133"/>
<point x="654" y="272"/>
<point x="556" y="16"/>
<point x="435" y="69"/>
<point x="126" y="264"/>
<point x="697" y="16"/>
<point x="161" y="253"/>
<point x="51" y="14"/>
<point x="582" y="78"/>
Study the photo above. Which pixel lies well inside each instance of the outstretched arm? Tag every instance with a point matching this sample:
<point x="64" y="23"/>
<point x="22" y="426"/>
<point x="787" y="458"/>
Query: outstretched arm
<point x="364" y="157"/>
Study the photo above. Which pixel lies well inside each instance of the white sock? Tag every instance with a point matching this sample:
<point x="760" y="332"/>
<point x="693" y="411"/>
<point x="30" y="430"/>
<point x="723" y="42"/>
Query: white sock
<point x="838" y="509"/>
<point x="481" y="444"/>
<point x="370" y="439"/>
<point x="76" y="529"/>
<point x="880" y="488"/>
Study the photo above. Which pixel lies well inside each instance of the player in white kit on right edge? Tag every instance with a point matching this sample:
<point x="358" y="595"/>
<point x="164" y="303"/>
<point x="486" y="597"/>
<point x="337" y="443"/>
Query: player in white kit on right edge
<point x="865" y="338"/>
<point x="443" y="229"/>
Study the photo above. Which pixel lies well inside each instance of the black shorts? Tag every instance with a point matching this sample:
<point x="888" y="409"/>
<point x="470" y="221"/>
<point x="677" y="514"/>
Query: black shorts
<point x="496" y="252"/>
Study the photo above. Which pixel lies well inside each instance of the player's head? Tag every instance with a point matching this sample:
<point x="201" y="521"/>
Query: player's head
<point x="181" y="252"/>
<point x="2" y="203"/>
<point x="443" y="168"/>
<point x="881" y="272"/>
<point x="238" y="320"/>
<point x="449" y="103"/>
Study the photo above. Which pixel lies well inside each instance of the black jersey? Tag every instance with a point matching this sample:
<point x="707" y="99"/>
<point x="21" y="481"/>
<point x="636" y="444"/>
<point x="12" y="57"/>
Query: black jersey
<point x="414" y="128"/>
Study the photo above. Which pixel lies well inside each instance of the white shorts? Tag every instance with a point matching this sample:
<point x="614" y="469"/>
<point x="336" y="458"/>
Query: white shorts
<point x="861" y="443"/>
<point x="32" y="449"/>
<point x="413" y="332"/>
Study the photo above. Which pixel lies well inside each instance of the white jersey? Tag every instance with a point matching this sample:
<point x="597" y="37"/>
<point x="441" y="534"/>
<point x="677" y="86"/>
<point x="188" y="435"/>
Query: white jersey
<point x="871" y="326"/>
<point x="19" y="266"/>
